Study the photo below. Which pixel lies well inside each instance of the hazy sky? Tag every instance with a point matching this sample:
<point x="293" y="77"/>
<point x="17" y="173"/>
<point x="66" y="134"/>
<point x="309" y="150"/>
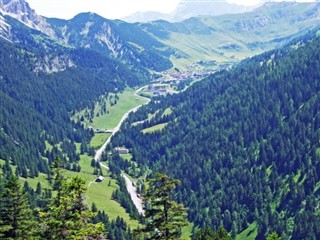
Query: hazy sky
<point x="67" y="9"/>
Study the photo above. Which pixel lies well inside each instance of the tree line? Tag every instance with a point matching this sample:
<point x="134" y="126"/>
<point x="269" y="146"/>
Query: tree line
<point x="244" y="144"/>
<point x="36" y="107"/>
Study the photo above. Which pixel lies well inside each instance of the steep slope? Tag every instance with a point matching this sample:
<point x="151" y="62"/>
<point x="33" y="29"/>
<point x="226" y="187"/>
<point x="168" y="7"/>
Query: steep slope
<point x="117" y="39"/>
<point x="230" y="38"/>
<point x="20" y="10"/>
<point x="124" y="42"/>
<point x="43" y="79"/>
<point x="196" y="43"/>
<point x="36" y="106"/>
<point x="244" y="143"/>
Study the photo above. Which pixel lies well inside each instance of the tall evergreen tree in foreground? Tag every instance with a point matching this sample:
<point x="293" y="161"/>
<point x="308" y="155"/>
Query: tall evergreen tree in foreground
<point x="209" y="234"/>
<point x="67" y="216"/>
<point x="164" y="217"/>
<point x="16" y="219"/>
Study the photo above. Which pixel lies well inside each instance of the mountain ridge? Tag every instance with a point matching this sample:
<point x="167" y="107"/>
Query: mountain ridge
<point x="156" y="46"/>
<point x="231" y="38"/>
<point x="105" y="38"/>
<point x="21" y="10"/>
<point x="189" y="9"/>
<point x="243" y="142"/>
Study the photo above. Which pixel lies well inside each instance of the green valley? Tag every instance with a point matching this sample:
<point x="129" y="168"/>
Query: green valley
<point x="208" y="128"/>
<point x="238" y="142"/>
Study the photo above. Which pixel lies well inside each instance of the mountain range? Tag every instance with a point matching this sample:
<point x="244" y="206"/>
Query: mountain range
<point x="188" y="9"/>
<point x="160" y="45"/>
<point x="244" y="141"/>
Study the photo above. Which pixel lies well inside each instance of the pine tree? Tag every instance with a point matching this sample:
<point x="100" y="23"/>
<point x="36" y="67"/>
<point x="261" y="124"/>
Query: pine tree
<point x="68" y="216"/>
<point x="273" y="236"/>
<point x="16" y="219"/>
<point x="164" y="217"/>
<point x="205" y="234"/>
<point x="39" y="188"/>
<point x="209" y="234"/>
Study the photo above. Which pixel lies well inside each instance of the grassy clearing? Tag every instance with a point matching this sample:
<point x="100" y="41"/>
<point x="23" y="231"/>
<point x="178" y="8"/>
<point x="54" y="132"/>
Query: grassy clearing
<point x="206" y="49"/>
<point x="297" y="176"/>
<point x="269" y="171"/>
<point x="48" y="146"/>
<point x="99" y="139"/>
<point x="152" y="115"/>
<point x="100" y="193"/>
<point x="127" y="156"/>
<point x="167" y="112"/>
<point x="127" y="100"/>
<point x="155" y="128"/>
<point x="42" y="178"/>
<point x="248" y="234"/>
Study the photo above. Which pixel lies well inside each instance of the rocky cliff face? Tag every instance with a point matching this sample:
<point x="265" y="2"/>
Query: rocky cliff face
<point x="4" y="28"/>
<point x="37" y="36"/>
<point x="125" y="42"/>
<point x="20" y="9"/>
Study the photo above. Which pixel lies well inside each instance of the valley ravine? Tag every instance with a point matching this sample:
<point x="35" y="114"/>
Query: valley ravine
<point x="130" y="188"/>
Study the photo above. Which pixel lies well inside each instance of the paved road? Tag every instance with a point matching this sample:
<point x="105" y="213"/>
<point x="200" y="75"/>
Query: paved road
<point x="130" y="188"/>
<point x="117" y="128"/>
<point x="133" y="193"/>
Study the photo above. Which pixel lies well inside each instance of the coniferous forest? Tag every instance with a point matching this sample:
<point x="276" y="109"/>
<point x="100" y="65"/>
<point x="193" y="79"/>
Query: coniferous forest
<point x="58" y="212"/>
<point x="36" y="107"/>
<point x="244" y="144"/>
<point x="236" y="151"/>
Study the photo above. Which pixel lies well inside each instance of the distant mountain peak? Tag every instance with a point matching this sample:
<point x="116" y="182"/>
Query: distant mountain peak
<point x="188" y="9"/>
<point x="21" y="10"/>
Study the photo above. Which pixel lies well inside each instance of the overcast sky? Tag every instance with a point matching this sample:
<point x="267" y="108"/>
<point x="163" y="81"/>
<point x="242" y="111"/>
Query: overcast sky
<point x="112" y="9"/>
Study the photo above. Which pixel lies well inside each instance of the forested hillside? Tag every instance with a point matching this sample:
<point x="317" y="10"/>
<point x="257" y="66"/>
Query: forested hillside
<point x="245" y="143"/>
<point x="36" y="107"/>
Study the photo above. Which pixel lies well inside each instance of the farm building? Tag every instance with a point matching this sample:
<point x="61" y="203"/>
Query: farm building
<point x="99" y="179"/>
<point x="121" y="150"/>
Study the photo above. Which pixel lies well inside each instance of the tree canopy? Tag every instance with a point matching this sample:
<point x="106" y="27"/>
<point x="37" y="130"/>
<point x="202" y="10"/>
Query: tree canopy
<point x="243" y="142"/>
<point x="164" y="217"/>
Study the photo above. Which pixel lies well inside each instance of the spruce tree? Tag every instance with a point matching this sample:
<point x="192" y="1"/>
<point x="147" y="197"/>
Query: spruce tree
<point x="16" y="219"/>
<point x="68" y="217"/>
<point x="164" y="216"/>
<point x="273" y="236"/>
<point x="209" y="234"/>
